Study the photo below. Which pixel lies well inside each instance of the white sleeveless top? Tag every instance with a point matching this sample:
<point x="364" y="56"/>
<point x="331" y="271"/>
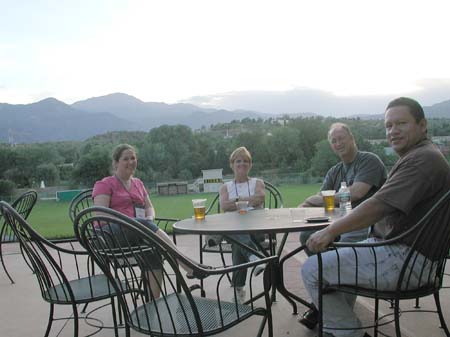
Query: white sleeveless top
<point x="245" y="189"/>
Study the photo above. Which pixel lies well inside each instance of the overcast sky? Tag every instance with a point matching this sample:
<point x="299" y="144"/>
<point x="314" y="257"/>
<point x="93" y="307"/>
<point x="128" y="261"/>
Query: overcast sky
<point x="172" y="50"/>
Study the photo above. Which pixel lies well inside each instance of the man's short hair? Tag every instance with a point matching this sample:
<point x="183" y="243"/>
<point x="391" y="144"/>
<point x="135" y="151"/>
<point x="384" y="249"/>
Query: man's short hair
<point x="339" y="126"/>
<point x="415" y="108"/>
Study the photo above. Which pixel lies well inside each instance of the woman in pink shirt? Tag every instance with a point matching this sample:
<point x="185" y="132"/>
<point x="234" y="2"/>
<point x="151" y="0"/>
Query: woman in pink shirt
<point x="126" y="194"/>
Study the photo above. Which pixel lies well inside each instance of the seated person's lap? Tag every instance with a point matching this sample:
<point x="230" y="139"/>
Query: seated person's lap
<point x="119" y="236"/>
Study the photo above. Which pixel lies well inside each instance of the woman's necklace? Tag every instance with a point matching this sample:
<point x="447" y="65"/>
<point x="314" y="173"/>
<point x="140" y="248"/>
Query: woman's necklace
<point x="125" y="183"/>
<point x="235" y="187"/>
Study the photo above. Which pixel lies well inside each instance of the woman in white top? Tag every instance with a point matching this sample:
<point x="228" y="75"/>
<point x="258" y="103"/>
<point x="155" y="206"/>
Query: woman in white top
<point x="242" y="188"/>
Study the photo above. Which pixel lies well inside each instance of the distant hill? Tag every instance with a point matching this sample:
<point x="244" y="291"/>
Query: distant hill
<point x="150" y="114"/>
<point x="439" y="110"/>
<point x="53" y="120"/>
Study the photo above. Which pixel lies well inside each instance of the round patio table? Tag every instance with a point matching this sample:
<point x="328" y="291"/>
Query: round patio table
<point x="267" y="221"/>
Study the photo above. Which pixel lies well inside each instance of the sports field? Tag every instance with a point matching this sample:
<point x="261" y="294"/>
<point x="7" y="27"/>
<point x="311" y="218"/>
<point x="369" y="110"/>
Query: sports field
<point x="51" y="218"/>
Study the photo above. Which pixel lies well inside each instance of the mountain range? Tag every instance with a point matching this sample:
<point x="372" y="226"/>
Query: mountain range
<point x="53" y="120"/>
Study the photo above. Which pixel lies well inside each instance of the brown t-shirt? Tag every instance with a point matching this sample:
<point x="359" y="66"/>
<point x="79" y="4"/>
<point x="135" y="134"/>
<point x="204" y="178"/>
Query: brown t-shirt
<point x="414" y="185"/>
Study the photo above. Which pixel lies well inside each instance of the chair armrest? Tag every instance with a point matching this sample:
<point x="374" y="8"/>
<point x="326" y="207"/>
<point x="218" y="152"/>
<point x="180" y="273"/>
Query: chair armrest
<point x="342" y="244"/>
<point x="66" y="240"/>
<point x="54" y="245"/>
<point x="201" y="271"/>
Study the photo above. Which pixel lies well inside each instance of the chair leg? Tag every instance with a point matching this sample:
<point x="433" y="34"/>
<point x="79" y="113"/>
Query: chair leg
<point x="3" y="264"/>
<point x="417" y="305"/>
<point x="84" y="308"/>
<point x="113" y="310"/>
<point x="50" y="319"/>
<point x="200" y="242"/>
<point x="270" y="323"/>
<point x="267" y="320"/>
<point x="375" y="327"/>
<point x="397" y="318"/>
<point x="75" y="320"/>
<point x="441" y="317"/>
<point x="261" y="326"/>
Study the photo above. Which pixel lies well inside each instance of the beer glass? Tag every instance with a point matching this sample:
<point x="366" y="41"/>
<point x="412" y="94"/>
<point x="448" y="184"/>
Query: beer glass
<point x="328" y="200"/>
<point x="199" y="208"/>
<point x="242" y="206"/>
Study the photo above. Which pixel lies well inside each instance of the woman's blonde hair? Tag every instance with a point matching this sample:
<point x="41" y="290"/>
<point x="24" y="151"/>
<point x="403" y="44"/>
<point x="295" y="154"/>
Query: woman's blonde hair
<point x="240" y="152"/>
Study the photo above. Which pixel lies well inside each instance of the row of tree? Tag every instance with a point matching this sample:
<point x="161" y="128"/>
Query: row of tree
<point x="176" y="152"/>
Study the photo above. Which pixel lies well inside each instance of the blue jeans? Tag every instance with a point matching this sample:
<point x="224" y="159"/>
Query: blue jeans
<point x="241" y="255"/>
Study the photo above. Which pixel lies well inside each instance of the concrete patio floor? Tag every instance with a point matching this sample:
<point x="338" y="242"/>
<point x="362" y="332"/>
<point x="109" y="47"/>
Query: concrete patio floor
<point x="24" y="313"/>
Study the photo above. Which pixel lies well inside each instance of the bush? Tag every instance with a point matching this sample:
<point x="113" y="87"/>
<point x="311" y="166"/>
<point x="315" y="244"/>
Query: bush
<point x="6" y="187"/>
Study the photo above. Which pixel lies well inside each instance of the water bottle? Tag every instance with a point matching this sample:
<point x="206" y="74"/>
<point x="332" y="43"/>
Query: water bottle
<point x="345" y="201"/>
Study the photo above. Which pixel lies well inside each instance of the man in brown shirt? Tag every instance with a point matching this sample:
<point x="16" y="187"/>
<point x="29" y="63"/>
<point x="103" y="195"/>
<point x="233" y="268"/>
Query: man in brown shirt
<point x="419" y="178"/>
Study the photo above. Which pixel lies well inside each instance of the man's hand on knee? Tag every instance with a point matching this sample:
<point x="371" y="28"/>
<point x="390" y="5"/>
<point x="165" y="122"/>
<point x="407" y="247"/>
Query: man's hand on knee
<point x="319" y="241"/>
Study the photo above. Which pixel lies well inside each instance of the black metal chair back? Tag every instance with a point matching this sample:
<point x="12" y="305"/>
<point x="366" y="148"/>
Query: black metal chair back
<point x="423" y="268"/>
<point x="173" y="312"/>
<point x="274" y="199"/>
<point x="79" y="202"/>
<point x="84" y="200"/>
<point x="57" y="283"/>
<point x="23" y="205"/>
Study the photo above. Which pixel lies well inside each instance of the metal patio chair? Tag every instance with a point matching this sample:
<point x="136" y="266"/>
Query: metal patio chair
<point x="84" y="200"/>
<point x="64" y="275"/>
<point x="434" y="230"/>
<point x="174" y="312"/>
<point x="23" y="205"/>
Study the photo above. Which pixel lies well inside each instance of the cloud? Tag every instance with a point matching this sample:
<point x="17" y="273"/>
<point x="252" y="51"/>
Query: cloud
<point x="307" y="100"/>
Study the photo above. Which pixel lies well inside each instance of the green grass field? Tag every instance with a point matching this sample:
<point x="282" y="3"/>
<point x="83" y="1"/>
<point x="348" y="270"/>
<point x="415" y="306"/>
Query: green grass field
<point x="51" y="218"/>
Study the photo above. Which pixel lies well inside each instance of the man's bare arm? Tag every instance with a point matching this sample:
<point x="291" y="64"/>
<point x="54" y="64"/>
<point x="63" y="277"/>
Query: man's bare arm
<point x="312" y="201"/>
<point x="359" y="190"/>
<point x="365" y="215"/>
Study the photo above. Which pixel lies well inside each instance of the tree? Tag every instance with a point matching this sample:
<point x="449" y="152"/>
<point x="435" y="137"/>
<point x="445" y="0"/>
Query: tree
<point x="172" y="149"/>
<point x="312" y="131"/>
<point x="323" y="159"/>
<point x="20" y="177"/>
<point x="93" y="166"/>
<point x="284" y="149"/>
<point x="48" y="173"/>
<point x="7" y="156"/>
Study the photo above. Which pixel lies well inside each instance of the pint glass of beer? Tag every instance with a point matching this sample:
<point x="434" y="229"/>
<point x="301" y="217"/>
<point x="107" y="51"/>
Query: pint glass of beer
<point x="199" y="208"/>
<point x="328" y="199"/>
